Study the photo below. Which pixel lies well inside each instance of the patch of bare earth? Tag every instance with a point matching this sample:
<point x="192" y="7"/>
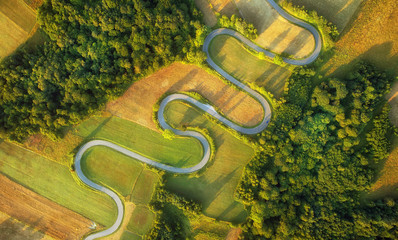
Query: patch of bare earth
<point x="274" y="32"/>
<point x="40" y="213"/>
<point x="137" y="102"/>
<point x="234" y="234"/>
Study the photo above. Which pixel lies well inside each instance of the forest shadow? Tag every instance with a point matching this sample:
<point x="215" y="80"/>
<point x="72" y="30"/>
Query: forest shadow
<point x="11" y="229"/>
<point x="380" y="55"/>
<point x="293" y="49"/>
<point x="177" y="86"/>
<point x="93" y="134"/>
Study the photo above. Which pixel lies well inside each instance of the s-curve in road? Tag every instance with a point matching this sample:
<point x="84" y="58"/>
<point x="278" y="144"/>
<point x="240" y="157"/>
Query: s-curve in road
<point x="205" y="107"/>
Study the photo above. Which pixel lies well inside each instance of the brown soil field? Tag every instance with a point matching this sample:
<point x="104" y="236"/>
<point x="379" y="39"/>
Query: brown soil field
<point x="274" y="32"/>
<point x="209" y="17"/>
<point x="234" y="234"/>
<point x="372" y="37"/>
<point x="40" y="213"/>
<point x="12" y="229"/>
<point x="137" y="102"/>
<point x="339" y="12"/>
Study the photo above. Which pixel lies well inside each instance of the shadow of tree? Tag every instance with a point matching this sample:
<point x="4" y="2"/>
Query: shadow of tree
<point x="11" y="229"/>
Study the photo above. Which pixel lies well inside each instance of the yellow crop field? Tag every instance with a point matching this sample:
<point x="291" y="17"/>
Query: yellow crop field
<point x="17" y="20"/>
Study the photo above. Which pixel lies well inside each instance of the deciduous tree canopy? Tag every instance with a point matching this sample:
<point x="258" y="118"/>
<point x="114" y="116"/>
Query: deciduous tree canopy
<point x="97" y="49"/>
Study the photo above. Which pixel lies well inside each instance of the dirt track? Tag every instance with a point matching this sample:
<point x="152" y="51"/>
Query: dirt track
<point x="40" y="213"/>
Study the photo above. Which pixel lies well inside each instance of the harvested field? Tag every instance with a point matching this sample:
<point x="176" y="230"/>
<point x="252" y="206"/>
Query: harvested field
<point x="274" y="32"/>
<point x="229" y="53"/>
<point x="16" y="22"/>
<point x="339" y="12"/>
<point x="137" y="102"/>
<point x="215" y="186"/>
<point x="225" y="7"/>
<point x="40" y="213"/>
<point x="371" y="37"/>
<point x="209" y="17"/>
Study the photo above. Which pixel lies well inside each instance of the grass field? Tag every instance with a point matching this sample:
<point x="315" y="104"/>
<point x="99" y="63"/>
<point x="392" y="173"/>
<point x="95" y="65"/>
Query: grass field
<point x="137" y="102"/>
<point x="144" y="187"/>
<point x="215" y="187"/>
<point x="55" y="182"/>
<point x="229" y="53"/>
<point x="274" y="32"/>
<point x="110" y="168"/>
<point x="143" y="140"/>
<point x="16" y="22"/>
<point x="371" y="37"/>
<point x="130" y="236"/>
<point x="205" y="228"/>
<point x="339" y="12"/>
<point x="141" y="220"/>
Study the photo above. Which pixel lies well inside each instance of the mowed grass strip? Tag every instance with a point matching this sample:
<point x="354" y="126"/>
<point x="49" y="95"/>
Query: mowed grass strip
<point x="144" y="187"/>
<point x="55" y="182"/>
<point x="130" y="236"/>
<point x="111" y="168"/>
<point x="228" y="53"/>
<point x="141" y="220"/>
<point x="179" y="152"/>
<point x="215" y="187"/>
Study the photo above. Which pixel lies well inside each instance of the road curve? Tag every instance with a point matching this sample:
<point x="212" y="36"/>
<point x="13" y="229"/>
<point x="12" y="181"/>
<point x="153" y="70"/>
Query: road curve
<point x="205" y="107"/>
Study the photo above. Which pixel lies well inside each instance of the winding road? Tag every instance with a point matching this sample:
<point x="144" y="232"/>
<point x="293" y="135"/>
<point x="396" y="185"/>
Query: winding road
<point x="205" y="107"/>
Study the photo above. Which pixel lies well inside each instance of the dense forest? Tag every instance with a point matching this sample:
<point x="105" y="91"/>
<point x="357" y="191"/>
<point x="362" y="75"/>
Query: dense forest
<point x="96" y="49"/>
<point x="318" y="158"/>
